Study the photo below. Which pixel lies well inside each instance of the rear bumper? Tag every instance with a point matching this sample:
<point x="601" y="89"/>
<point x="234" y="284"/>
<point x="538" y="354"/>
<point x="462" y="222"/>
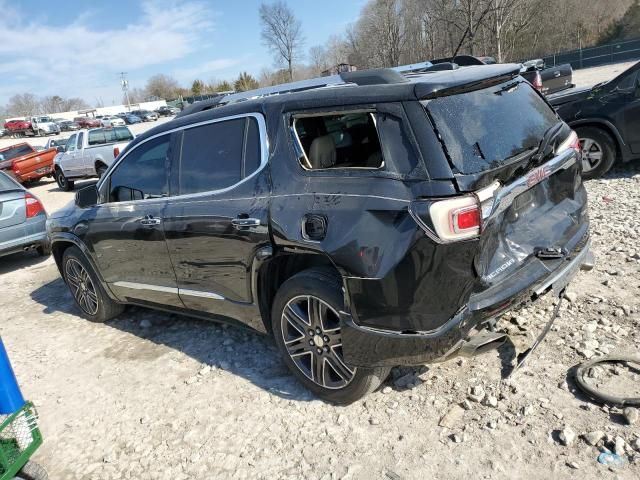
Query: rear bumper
<point x="24" y="238"/>
<point x="366" y="346"/>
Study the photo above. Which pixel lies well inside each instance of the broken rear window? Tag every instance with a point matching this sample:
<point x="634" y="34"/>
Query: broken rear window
<point x="484" y="129"/>
<point x="343" y="140"/>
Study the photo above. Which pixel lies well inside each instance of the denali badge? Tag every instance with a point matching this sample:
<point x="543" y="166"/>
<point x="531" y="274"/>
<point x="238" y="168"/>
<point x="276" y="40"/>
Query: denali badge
<point x="501" y="268"/>
<point x="537" y="175"/>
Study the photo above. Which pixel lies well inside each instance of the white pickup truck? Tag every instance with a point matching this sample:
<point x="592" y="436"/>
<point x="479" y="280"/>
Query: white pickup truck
<point x="88" y="153"/>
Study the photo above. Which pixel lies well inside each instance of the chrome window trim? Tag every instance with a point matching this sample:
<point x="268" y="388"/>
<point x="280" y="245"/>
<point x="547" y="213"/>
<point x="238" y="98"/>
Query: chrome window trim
<point x="264" y="157"/>
<point x="308" y="166"/>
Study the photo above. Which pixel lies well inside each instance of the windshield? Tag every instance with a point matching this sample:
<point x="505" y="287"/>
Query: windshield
<point x="483" y="129"/>
<point x="44" y="120"/>
<point x="16" y="151"/>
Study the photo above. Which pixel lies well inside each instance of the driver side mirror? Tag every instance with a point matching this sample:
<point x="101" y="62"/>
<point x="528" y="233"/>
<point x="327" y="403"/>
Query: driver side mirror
<point x="87" y="197"/>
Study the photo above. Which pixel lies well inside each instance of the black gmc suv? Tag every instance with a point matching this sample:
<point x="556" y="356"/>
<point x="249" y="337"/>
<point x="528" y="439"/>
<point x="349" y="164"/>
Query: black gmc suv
<point x="606" y="118"/>
<point x="365" y="220"/>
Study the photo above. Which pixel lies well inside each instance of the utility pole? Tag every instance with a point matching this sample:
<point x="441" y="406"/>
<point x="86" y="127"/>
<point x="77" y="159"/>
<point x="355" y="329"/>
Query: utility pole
<point x="125" y="88"/>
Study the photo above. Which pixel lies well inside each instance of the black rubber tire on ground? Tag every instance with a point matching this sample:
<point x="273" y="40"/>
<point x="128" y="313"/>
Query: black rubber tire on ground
<point x="607" y="145"/>
<point x="101" y="168"/>
<point x="325" y="285"/>
<point x="32" y="471"/>
<point x="106" y="308"/>
<point x="63" y="182"/>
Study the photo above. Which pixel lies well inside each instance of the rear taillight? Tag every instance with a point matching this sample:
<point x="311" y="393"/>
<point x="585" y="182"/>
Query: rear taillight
<point x="33" y="205"/>
<point x="116" y="151"/>
<point x="572" y="141"/>
<point x="455" y="219"/>
<point x="537" y="81"/>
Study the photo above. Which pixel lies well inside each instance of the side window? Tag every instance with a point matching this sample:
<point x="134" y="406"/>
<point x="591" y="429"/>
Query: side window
<point x="80" y="140"/>
<point x="142" y="173"/>
<point x="344" y="140"/>
<point x="211" y="156"/>
<point x="252" y="148"/>
<point x="71" y="143"/>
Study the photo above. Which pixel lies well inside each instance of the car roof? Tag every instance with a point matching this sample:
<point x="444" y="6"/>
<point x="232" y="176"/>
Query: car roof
<point x="357" y="88"/>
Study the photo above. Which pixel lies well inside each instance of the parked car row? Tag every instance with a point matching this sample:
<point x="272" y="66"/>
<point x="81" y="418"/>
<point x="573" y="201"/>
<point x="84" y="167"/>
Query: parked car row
<point x="31" y="127"/>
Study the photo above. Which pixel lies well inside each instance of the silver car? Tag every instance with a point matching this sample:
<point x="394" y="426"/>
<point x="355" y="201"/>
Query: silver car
<point x="22" y="219"/>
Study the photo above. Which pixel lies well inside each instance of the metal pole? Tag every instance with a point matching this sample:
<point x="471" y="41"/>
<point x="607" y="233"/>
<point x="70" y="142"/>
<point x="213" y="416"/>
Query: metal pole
<point x="125" y="88"/>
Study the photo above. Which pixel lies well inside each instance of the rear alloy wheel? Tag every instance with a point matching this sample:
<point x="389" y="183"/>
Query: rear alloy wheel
<point x="63" y="182"/>
<point x="598" y="152"/>
<point x="311" y="334"/>
<point x="306" y="327"/>
<point x="85" y="287"/>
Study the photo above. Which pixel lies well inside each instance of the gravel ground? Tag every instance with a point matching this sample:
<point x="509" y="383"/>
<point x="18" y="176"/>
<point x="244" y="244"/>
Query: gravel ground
<point x="158" y="396"/>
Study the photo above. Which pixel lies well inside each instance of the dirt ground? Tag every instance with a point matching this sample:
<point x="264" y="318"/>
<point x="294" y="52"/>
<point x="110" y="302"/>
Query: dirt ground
<point x="158" y="396"/>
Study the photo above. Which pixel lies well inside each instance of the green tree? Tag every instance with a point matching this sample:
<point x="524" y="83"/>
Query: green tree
<point x="197" y="87"/>
<point x="626" y="28"/>
<point x="222" y="86"/>
<point x="245" y="82"/>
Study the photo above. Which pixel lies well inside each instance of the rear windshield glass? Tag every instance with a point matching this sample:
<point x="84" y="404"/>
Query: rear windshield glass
<point x="109" y="135"/>
<point x="483" y="129"/>
<point x="17" y="151"/>
<point x="7" y="184"/>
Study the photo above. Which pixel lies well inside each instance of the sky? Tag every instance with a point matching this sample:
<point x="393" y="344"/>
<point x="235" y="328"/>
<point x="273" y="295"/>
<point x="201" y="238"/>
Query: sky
<point x="75" y="48"/>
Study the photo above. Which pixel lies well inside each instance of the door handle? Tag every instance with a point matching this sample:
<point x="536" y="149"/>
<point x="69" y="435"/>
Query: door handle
<point x="150" y="221"/>
<point x="245" y="222"/>
<point x="557" y="74"/>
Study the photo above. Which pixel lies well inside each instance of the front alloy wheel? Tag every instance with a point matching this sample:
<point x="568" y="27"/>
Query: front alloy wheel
<point x="81" y="286"/>
<point x="311" y="333"/>
<point x="591" y="154"/>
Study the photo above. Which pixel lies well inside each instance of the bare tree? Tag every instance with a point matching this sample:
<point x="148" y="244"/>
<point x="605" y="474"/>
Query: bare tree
<point x="282" y="33"/>
<point x="318" y="59"/>
<point x="23" y="104"/>
<point x="162" y="86"/>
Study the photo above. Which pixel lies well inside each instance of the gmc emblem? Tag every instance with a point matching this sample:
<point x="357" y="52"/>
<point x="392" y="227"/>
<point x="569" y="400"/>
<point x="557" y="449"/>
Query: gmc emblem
<point x="537" y="175"/>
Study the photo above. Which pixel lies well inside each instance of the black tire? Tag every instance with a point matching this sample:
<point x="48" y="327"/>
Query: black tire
<point x="596" y="140"/>
<point x="63" y="182"/>
<point x="101" y="168"/>
<point x="32" y="471"/>
<point x="82" y="281"/>
<point x="324" y="288"/>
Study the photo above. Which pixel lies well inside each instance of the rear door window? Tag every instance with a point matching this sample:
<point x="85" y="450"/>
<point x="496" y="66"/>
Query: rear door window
<point x="483" y="129"/>
<point x="97" y="137"/>
<point x="217" y="156"/>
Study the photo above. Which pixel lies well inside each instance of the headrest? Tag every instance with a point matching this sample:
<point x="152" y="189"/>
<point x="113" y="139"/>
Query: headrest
<point x="323" y="152"/>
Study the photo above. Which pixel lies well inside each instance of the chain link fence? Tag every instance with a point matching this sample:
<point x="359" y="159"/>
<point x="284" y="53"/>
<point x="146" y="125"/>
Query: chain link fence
<point x="594" y="56"/>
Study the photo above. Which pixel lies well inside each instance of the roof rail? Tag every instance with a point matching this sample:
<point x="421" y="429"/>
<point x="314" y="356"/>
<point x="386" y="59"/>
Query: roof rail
<point x="362" y="77"/>
<point x="299" y="86"/>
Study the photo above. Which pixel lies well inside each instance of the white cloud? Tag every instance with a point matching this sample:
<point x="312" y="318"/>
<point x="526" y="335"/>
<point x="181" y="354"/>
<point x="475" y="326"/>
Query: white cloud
<point x="73" y="60"/>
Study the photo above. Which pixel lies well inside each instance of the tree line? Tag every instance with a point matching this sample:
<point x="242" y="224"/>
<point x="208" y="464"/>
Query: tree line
<point x="395" y="32"/>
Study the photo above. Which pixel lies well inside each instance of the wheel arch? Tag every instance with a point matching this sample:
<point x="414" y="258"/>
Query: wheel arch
<point x="607" y="127"/>
<point x="61" y="242"/>
<point x="278" y="269"/>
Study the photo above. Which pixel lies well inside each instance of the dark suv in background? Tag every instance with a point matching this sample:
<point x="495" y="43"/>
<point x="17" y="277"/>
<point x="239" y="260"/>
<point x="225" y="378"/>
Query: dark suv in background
<point x="607" y="120"/>
<point x="386" y="220"/>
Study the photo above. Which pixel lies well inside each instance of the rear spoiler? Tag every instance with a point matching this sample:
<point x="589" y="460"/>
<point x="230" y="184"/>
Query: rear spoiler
<point x="465" y="80"/>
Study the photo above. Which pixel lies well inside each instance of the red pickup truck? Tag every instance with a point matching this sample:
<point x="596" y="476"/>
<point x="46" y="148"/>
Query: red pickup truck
<point x="25" y="163"/>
